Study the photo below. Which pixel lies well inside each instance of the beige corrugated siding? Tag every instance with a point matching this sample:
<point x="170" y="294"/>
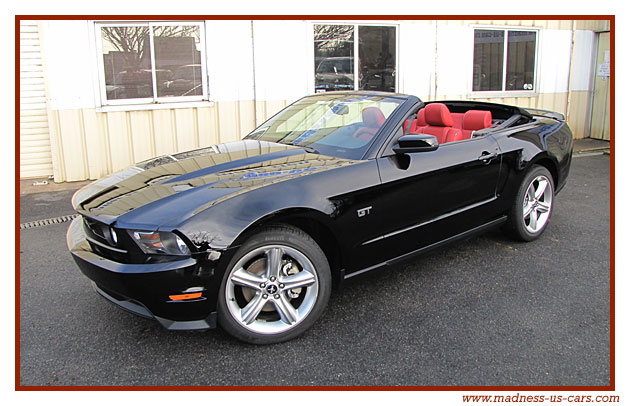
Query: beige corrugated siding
<point x="95" y="143"/>
<point x="593" y="25"/>
<point x="35" y="150"/>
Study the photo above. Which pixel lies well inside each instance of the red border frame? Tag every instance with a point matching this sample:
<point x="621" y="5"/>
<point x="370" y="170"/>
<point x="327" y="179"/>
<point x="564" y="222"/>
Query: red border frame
<point x="18" y="18"/>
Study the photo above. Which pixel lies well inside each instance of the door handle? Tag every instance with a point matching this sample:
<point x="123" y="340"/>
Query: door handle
<point x="486" y="156"/>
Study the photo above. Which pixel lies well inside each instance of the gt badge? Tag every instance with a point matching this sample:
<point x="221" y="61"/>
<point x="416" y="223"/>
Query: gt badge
<point x="364" y="211"/>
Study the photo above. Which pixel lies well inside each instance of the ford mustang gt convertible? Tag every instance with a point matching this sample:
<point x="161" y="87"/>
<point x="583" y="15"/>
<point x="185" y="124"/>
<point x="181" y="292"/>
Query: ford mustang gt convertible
<point x="253" y="234"/>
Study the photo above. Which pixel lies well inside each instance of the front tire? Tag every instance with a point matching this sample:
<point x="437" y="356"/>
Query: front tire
<point x="275" y="288"/>
<point x="532" y="207"/>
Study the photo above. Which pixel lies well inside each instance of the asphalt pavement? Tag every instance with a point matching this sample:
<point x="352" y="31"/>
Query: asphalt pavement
<point x="486" y="311"/>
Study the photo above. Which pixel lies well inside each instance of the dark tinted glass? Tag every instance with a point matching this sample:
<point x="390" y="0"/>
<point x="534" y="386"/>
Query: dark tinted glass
<point x="377" y="58"/>
<point x="334" y="57"/>
<point x="521" y="60"/>
<point x="488" y="60"/>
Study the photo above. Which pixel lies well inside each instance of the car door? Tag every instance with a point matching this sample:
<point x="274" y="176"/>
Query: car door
<point x="427" y="197"/>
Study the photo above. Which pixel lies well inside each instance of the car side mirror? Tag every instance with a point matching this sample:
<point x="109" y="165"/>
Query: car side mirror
<point x="416" y="143"/>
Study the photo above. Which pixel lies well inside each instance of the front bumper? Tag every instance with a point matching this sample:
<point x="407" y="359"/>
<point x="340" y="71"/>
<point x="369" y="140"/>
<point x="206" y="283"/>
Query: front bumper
<point x="144" y="289"/>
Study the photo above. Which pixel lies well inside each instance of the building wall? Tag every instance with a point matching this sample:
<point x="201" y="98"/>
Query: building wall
<point x="257" y="68"/>
<point x="35" y="148"/>
<point x="565" y="54"/>
<point x="93" y="141"/>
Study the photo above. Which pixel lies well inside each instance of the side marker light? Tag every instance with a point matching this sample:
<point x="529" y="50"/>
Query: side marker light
<point x="186" y="296"/>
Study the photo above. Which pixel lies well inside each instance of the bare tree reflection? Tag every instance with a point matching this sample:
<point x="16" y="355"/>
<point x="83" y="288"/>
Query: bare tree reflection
<point x="130" y="41"/>
<point x="334" y="53"/>
<point x="126" y="53"/>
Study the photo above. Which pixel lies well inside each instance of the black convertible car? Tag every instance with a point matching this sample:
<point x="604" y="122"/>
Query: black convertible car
<point x="254" y="233"/>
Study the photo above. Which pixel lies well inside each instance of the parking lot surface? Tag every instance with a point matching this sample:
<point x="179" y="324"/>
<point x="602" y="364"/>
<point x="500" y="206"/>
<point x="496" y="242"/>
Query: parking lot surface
<point x="486" y="311"/>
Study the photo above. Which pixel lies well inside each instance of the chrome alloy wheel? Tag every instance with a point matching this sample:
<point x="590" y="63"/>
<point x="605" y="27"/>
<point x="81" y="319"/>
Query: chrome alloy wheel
<point x="271" y="289"/>
<point x="537" y="204"/>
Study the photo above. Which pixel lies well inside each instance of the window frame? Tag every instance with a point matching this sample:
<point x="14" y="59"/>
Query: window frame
<point x="479" y="94"/>
<point x="355" y="25"/>
<point x="155" y="100"/>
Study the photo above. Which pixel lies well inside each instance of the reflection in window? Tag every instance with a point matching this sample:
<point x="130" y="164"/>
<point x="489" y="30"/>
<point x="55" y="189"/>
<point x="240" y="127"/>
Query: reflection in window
<point x="128" y="52"/>
<point x="521" y="60"/>
<point x="341" y="125"/>
<point x="490" y="58"/>
<point x="177" y="60"/>
<point x="377" y="56"/>
<point x="127" y="62"/>
<point x="334" y="57"/>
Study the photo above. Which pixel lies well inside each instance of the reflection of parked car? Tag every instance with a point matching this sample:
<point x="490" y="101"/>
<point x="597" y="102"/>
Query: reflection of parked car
<point x="186" y="81"/>
<point x="379" y="79"/>
<point x="255" y="232"/>
<point x="136" y="83"/>
<point x="335" y="73"/>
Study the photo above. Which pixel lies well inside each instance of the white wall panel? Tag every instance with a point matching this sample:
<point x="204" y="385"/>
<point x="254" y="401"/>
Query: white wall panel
<point x="554" y="61"/>
<point x="455" y="59"/>
<point x="69" y="64"/>
<point x="416" y="63"/>
<point x="282" y="66"/>
<point x="582" y="60"/>
<point x="229" y="54"/>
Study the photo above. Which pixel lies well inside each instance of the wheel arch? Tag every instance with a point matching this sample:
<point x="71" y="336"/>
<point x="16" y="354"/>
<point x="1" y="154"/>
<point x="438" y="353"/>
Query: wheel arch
<point x="313" y="223"/>
<point x="547" y="162"/>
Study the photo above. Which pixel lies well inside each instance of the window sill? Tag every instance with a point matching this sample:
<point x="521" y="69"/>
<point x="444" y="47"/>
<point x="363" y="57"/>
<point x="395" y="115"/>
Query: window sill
<point x="501" y="95"/>
<point x="154" y="106"/>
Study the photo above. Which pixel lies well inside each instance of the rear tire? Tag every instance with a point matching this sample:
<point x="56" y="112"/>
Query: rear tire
<point x="530" y="213"/>
<point x="275" y="288"/>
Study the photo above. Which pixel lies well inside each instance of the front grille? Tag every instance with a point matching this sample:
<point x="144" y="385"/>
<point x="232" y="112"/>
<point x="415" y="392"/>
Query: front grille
<point x="100" y="238"/>
<point x="99" y="230"/>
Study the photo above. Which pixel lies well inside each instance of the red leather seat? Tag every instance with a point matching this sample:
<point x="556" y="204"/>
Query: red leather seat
<point x="440" y="123"/>
<point x="373" y="119"/>
<point x="416" y="124"/>
<point x="458" y="119"/>
<point x="475" y="120"/>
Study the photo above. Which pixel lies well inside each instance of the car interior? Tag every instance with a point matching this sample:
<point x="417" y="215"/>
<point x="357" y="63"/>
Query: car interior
<point x="450" y="122"/>
<point x="436" y="119"/>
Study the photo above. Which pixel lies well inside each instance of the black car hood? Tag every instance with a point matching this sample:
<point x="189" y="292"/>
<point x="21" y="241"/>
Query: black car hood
<point x="170" y="187"/>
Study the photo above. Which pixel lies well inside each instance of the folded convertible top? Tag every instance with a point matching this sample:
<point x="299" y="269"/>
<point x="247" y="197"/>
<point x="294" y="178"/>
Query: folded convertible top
<point x="545" y="113"/>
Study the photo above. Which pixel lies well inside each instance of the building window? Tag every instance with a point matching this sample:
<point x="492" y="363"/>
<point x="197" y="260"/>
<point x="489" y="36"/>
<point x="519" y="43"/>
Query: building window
<point x="504" y="60"/>
<point x="151" y="62"/>
<point x="336" y="47"/>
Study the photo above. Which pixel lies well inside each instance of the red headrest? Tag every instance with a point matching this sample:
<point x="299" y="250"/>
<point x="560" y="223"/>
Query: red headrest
<point x="476" y="120"/>
<point x="373" y="117"/>
<point x="437" y="114"/>
<point x="421" y="121"/>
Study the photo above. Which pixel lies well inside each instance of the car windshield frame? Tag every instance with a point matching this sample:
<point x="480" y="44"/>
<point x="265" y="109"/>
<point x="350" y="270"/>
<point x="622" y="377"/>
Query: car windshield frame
<point x="333" y="124"/>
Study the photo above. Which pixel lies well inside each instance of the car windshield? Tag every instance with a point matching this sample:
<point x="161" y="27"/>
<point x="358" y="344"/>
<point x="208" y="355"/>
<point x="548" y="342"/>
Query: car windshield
<point x="340" y="125"/>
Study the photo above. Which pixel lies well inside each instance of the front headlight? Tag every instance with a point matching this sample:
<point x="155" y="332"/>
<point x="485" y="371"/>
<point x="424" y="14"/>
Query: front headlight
<point x="160" y="242"/>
